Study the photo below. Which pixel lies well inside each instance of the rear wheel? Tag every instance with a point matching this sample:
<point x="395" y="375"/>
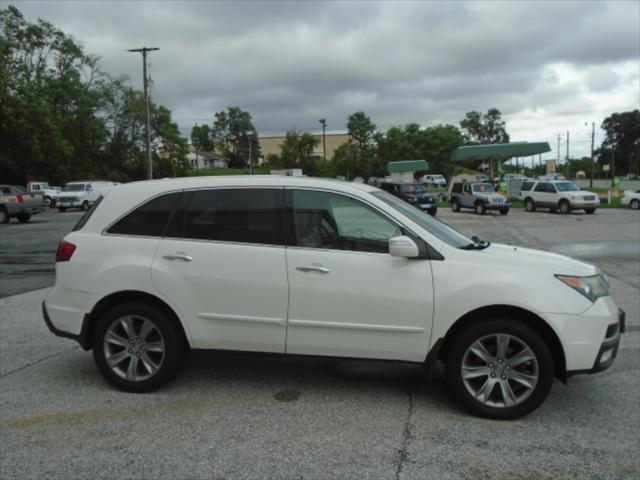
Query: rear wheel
<point x="529" y="205"/>
<point x="635" y="204"/>
<point x="480" y="208"/>
<point x="62" y="209"/>
<point x="500" y="369"/>
<point x="23" y="217"/>
<point x="455" y="205"/>
<point x="137" y="348"/>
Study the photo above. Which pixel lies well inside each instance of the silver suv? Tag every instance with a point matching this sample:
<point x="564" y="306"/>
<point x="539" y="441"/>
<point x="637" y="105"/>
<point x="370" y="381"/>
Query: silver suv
<point x="480" y="196"/>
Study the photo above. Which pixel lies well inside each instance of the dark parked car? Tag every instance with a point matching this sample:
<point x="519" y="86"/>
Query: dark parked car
<point x="413" y="193"/>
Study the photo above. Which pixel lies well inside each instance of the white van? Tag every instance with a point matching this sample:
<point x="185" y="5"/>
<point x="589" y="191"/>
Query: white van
<point x="80" y="194"/>
<point x="433" y="180"/>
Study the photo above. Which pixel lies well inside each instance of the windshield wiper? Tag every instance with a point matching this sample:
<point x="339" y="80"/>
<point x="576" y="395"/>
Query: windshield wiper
<point x="477" y="244"/>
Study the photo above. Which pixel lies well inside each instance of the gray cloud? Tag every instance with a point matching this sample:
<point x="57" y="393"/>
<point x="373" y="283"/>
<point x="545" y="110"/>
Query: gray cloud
<point x="290" y="63"/>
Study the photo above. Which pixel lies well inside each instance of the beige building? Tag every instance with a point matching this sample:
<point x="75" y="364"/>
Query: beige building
<point x="333" y="140"/>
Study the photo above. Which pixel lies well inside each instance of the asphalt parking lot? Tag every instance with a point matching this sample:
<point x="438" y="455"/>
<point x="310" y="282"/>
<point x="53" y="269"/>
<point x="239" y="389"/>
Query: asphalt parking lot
<point x="254" y="416"/>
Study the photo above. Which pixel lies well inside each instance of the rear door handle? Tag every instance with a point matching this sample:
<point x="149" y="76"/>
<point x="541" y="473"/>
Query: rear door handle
<point x="178" y="256"/>
<point x="313" y="268"/>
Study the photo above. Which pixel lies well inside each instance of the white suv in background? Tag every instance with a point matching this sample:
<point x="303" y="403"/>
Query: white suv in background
<point x="557" y="195"/>
<point x="80" y="194"/>
<point x="317" y="267"/>
<point x="433" y="180"/>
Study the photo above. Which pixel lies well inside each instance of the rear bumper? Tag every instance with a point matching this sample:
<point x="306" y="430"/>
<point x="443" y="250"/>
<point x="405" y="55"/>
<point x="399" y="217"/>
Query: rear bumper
<point x="82" y="338"/>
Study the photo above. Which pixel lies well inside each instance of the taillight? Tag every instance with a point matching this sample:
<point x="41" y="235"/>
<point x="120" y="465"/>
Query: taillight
<point x="20" y="198"/>
<point x="65" y="251"/>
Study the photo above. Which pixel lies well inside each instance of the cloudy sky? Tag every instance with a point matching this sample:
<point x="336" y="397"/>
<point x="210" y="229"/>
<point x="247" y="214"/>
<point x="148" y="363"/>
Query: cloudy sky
<point x="550" y="67"/>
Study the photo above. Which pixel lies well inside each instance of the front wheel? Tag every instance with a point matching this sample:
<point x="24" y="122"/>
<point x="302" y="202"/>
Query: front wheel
<point x="504" y="211"/>
<point x="137" y="347"/>
<point x="589" y="211"/>
<point x="433" y="212"/>
<point x="564" y="207"/>
<point x="635" y="204"/>
<point x="500" y="369"/>
<point x="480" y="208"/>
<point x="84" y="206"/>
<point x="23" y="217"/>
<point x="62" y="209"/>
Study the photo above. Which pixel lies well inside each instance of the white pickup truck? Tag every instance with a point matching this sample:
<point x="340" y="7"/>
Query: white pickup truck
<point x="49" y="194"/>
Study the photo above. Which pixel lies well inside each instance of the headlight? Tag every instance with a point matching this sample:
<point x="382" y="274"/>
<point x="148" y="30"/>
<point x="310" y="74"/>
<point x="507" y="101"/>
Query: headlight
<point x="591" y="287"/>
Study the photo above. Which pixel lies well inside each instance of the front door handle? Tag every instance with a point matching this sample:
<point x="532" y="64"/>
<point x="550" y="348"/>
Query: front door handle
<point x="313" y="268"/>
<point x="178" y="256"/>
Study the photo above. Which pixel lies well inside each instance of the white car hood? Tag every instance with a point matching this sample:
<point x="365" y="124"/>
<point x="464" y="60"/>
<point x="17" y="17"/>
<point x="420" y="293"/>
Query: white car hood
<point x="520" y="258"/>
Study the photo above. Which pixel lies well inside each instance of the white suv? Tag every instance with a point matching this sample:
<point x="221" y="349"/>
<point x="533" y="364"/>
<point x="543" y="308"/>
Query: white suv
<point x="557" y="195"/>
<point x="319" y="267"/>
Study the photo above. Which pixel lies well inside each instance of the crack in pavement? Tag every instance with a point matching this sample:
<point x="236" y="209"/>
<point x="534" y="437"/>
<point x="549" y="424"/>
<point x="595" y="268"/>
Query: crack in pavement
<point x="19" y="369"/>
<point x="407" y="435"/>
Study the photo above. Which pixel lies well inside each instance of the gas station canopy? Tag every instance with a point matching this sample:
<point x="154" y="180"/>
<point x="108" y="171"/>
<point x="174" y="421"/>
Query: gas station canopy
<point x="501" y="151"/>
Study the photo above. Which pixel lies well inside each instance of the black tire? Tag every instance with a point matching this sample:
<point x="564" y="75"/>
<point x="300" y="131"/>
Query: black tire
<point x="553" y="210"/>
<point x="564" y="207"/>
<point x="62" y="209"/>
<point x="47" y="201"/>
<point x="170" y="362"/>
<point x="23" y="217"/>
<point x="589" y="211"/>
<point x="529" y="206"/>
<point x="504" y="211"/>
<point x="455" y="205"/>
<point x="523" y="333"/>
<point x="634" y="204"/>
<point x="4" y="215"/>
<point x="85" y="206"/>
<point x="480" y="208"/>
<point x="433" y="212"/>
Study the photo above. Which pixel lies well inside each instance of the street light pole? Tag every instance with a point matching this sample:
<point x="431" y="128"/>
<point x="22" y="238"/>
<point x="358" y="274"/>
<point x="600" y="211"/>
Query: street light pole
<point x="249" y="135"/>
<point x="323" y="121"/>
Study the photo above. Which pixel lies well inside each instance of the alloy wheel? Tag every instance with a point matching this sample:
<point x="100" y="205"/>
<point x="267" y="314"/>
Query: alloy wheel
<point x="500" y="370"/>
<point x="134" y="348"/>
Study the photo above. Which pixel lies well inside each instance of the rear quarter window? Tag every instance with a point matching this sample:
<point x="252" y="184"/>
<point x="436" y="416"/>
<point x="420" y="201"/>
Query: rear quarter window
<point x="526" y="186"/>
<point x="149" y="219"/>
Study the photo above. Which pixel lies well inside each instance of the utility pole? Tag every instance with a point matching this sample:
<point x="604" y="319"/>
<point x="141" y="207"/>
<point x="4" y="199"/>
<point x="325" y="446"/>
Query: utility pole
<point x="593" y="134"/>
<point x="147" y="132"/>
<point x="567" y="159"/>
<point x="249" y="134"/>
<point x="323" y="121"/>
<point x="558" y="165"/>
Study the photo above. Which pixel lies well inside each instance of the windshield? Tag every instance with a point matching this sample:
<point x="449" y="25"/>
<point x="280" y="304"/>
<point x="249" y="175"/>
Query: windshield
<point x="432" y="225"/>
<point x="73" y="187"/>
<point x="567" y="187"/>
<point x="412" y="188"/>
<point x="483" y="188"/>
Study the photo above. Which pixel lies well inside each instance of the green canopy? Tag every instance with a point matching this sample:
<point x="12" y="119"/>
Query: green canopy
<point x="503" y="151"/>
<point x="407" y="166"/>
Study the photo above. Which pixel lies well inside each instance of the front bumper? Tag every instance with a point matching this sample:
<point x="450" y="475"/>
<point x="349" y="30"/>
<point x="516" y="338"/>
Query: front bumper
<point x="609" y="347"/>
<point x="68" y="203"/>
<point x="428" y="207"/>
<point x="496" y="206"/>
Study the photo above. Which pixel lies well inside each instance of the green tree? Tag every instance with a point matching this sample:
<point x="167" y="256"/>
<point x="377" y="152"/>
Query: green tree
<point x="201" y="138"/>
<point x="622" y="132"/>
<point x="362" y="131"/>
<point x="297" y="152"/>
<point x="484" y="129"/>
<point x="232" y="132"/>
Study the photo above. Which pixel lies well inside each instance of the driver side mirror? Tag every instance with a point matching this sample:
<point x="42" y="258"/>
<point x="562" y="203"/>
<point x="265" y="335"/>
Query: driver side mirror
<point x="403" y="246"/>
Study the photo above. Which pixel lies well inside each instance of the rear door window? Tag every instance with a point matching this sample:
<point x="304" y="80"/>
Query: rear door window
<point x="541" y="187"/>
<point x="149" y="219"/>
<point x="247" y="215"/>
